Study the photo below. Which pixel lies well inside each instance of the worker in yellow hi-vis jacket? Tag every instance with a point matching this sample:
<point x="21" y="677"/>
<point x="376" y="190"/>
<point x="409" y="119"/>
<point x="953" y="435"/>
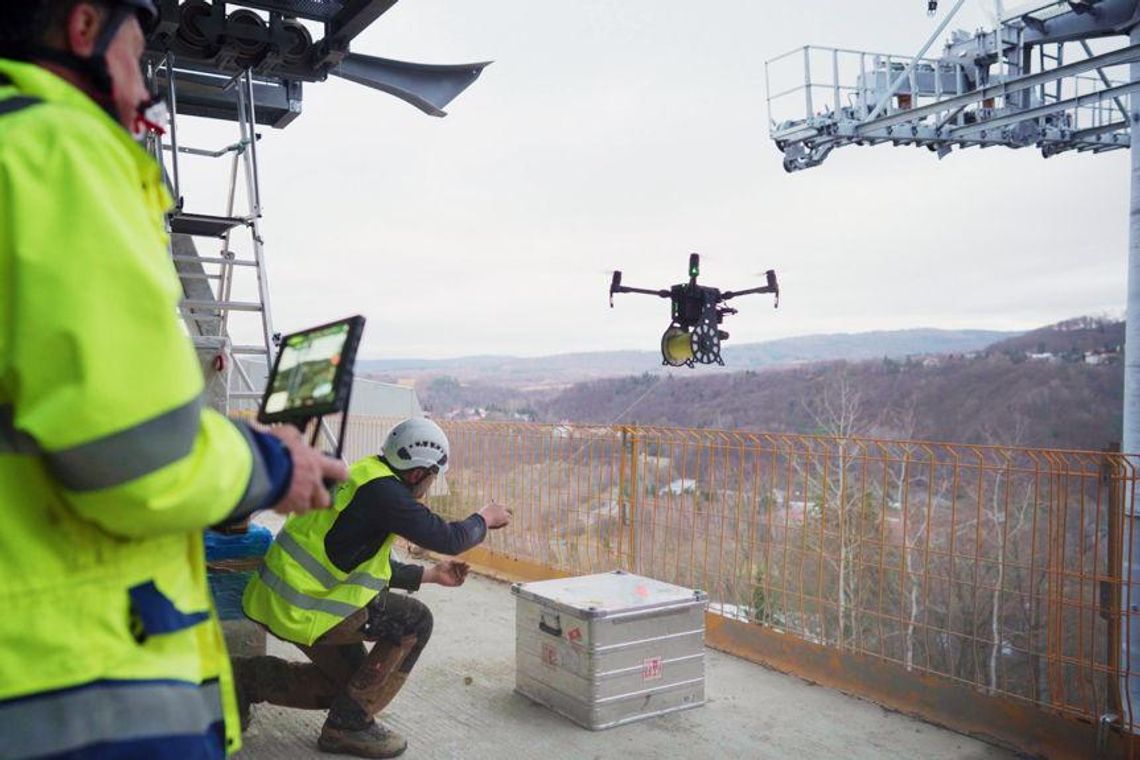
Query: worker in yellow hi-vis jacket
<point x="325" y="582"/>
<point x="110" y="467"/>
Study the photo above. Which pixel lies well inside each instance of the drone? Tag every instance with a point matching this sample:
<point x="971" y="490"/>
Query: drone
<point x="694" y="335"/>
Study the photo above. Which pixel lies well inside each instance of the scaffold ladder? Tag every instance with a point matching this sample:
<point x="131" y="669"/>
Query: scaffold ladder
<point x="209" y="308"/>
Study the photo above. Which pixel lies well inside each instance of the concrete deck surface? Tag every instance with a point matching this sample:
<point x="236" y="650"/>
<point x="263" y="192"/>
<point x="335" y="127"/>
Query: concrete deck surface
<point x="460" y="703"/>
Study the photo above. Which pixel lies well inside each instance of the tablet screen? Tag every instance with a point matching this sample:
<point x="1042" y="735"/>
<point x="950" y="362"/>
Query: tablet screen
<point x="312" y="372"/>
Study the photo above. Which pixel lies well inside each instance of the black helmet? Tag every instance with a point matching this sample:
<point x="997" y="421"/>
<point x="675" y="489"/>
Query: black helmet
<point x="23" y="22"/>
<point x="146" y="10"/>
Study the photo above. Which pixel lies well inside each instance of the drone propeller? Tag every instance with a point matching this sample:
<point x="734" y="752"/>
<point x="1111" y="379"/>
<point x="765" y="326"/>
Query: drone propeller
<point x="773" y="286"/>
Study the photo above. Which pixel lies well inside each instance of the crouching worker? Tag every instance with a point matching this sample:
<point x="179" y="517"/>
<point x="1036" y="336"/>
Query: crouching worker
<point x="324" y="586"/>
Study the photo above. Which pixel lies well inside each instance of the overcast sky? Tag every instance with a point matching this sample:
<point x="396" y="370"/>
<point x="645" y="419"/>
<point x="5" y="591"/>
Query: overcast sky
<point x="625" y="134"/>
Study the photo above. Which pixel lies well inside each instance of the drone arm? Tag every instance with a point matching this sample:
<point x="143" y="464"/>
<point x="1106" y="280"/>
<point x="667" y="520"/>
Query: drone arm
<point x="659" y="293"/>
<point x="617" y="287"/>
<point x="772" y="287"/>
<point x="734" y="293"/>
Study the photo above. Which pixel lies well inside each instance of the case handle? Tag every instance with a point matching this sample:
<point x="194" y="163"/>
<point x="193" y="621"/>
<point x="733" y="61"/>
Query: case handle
<point x="553" y="630"/>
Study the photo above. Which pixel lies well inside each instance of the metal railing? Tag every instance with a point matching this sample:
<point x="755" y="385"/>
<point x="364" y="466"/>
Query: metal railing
<point x="814" y="81"/>
<point x="996" y="567"/>
<point x="837" y="90"/>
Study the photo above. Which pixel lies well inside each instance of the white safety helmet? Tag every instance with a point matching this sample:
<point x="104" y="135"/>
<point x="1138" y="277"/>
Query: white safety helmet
<point x="416" y="443"/>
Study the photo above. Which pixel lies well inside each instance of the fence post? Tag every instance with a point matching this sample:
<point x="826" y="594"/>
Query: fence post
<point x="1111" y="587"/>
<point x="627" y="491"/>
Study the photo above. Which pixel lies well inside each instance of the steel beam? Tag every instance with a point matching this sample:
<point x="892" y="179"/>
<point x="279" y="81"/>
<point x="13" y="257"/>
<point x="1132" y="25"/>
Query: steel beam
<point x="1104" y="129"/>
<point x="202" y="93"/>
<point x="1081" y="101"/>
<point x="1114" y="58"/>
<point x="1104" y="80"/>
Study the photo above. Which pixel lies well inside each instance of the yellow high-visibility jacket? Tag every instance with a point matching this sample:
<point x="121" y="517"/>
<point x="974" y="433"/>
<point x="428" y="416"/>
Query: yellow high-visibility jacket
<point x="110" y="467"/>
<point x="299" y="594"/>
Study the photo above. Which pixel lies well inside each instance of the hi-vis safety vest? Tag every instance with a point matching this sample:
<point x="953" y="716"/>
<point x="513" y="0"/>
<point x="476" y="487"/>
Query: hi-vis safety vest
<point x="109" y="466"/>
<point x="299" y="594"/>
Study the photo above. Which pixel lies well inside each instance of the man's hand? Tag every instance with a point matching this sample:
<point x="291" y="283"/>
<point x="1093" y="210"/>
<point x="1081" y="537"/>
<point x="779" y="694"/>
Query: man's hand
<point x="448" y="572"/>
<point x="310" y="469"/>
<point x="496" y="516"/>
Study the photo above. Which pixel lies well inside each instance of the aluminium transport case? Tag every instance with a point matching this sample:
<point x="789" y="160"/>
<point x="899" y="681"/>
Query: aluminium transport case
<point x="611" y="648"/>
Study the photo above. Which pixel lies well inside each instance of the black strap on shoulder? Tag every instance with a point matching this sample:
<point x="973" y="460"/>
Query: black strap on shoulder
<point x="17" y="103"/>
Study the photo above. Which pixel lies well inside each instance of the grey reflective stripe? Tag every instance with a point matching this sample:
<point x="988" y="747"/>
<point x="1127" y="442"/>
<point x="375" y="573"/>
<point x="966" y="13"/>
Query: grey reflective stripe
<point x="320" y="573"/>
<point x="106" y="713"/>
<point x="17" y="103"/>
<point x="311" y="564"/>
<point x="278" y="586"/>
<point x="13" y="441"/>
<point x="367" y="580"/>
<point x="258" y="488"/>
<point x="121" y="457"/>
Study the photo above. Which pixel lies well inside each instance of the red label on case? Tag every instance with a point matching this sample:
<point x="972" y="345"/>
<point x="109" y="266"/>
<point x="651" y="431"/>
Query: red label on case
<point x="651" y="669"/>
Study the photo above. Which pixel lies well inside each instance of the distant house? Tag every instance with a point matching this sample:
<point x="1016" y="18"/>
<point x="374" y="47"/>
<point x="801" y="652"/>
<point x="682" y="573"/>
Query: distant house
<point x="1101" y="356"/>
<point x="679" y="486"/>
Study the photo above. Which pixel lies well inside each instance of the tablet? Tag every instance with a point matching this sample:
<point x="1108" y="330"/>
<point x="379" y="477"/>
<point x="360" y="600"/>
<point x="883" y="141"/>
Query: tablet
<point x="312" y="375"/>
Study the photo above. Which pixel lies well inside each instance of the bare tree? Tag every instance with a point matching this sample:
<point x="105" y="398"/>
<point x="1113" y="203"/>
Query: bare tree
<point x="836" y="407"/>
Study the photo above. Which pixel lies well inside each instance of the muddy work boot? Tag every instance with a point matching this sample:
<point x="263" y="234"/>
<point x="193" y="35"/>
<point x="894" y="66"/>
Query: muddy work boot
<point x="351" y="730"/>
<point x="373" y="740"/>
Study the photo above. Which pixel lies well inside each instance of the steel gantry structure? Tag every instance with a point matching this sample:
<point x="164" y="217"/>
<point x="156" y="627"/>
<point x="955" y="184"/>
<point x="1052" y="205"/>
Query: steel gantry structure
<point x="1017" y="85"/>
<point x="1034" y="80"/>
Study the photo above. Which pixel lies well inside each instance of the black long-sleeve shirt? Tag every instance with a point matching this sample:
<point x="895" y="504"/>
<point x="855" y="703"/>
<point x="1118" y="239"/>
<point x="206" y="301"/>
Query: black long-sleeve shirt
<point x="385" y="506"/>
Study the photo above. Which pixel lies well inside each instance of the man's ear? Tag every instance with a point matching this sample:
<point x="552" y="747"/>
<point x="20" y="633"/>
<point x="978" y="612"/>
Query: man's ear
<point x="82" y="29"/>
<point x="414" y="476"/>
